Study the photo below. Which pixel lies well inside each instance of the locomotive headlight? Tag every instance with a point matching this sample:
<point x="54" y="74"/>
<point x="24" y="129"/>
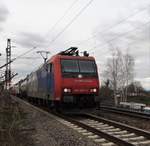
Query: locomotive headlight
<point x="93" y="90"/>
<point x="66" y="90"/>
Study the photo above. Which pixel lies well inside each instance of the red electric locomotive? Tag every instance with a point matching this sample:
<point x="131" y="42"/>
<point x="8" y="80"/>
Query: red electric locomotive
<point x="66" y="78"/>
<point x="76" y="78"/>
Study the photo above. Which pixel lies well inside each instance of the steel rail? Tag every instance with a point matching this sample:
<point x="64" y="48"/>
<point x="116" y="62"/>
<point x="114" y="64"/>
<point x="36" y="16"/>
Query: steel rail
<point x="126" y="112"/>
<point x="120" y="125"/>
<point x="102" y="134"/>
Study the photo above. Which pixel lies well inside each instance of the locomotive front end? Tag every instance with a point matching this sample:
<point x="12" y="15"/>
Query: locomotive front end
<point x="80" y="84"/>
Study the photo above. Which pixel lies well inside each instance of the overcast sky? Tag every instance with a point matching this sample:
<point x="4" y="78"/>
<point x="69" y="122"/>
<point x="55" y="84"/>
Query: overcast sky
<point x="104" y="24"/>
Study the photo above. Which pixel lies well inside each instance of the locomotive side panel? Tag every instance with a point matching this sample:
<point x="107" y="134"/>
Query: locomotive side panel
<point x="41" y="81"/>
<point x="23" y="87"/>
<point x="32" y="85"/>
<point x="50" y="81"/>
<point x="65" y="79"/>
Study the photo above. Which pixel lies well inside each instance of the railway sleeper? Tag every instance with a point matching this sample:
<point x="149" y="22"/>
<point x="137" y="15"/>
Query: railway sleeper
<point x="87" y="133"/>
<point x="111" y="130"/>
<point x="124" y="136"/>
<point x="143" y="143"/>
<point x="133" y="139"/>
<point x="90" y="135"/>
<point x="101" y="128"/>
<point x="93" y="136"/>
<point x="104" y="142"/>
<point x="99" y="140"/>
<point x="91" y="122"/>
<point x="96" y="124"/>
<point x="119" y="132"/>
<point x="108" y="144"/>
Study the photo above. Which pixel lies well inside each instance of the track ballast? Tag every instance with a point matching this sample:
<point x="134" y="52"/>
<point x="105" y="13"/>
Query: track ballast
<point x="108" y="132"/>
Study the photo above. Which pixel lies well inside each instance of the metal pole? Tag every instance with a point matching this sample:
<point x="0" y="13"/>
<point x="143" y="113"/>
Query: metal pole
<point x="8" y="66"/>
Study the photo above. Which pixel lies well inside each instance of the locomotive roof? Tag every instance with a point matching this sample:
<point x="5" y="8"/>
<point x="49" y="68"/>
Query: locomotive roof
<point x="59" y="56"/>
<point x="70" y="57"/>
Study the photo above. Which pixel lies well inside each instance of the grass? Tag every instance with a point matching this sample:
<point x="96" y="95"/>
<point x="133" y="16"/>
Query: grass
<point x="12" y="121"/>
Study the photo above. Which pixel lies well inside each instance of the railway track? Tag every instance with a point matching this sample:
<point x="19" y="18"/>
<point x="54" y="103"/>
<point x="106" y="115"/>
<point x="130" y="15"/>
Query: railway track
<point x="107" y="132"/>
<point x="126" y="112"/>
<point x="102" y="131"/>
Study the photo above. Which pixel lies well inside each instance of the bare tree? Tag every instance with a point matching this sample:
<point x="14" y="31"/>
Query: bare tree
<point x="113" y="71"/>
<point x="128" y="70"/>
<point x="138" y="88"/>
<point x="119" y="71"/>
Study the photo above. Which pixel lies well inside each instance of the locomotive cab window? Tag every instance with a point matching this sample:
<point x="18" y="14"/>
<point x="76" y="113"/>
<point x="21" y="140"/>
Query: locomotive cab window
<point x="72" y="67"/>
<point x="69" y="66"/>
<point x="87" y="66"/>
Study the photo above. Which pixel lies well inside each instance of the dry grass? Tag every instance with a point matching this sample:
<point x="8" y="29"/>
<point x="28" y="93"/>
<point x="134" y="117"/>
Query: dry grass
<point x="13" y="131"/>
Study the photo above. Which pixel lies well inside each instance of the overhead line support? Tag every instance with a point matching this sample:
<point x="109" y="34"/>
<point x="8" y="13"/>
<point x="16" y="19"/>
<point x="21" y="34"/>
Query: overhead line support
<point x="8" y="65"/>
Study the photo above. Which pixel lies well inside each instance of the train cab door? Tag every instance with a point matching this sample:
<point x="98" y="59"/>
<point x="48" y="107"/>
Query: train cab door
<point x="50" y="81"/>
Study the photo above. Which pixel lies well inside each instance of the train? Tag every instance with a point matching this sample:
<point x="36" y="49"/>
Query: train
<point x="139" y="107"/>
<point x="132" y="106"/>
<point x="67" y="78"/>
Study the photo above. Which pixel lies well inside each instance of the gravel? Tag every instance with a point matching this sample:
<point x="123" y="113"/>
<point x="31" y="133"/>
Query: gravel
<point x="50" y="132"/>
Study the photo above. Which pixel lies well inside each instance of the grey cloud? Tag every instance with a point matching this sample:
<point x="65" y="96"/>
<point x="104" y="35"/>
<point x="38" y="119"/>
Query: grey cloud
<point x="27" y="39"/>
<point x="1" y="29"/>
<point x="139" y="52"/>
<point x="3" y="14"/>
<point x="140" y="32"/>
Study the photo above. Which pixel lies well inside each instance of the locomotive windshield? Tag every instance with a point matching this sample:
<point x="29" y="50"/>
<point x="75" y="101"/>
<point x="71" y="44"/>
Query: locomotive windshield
<point x="87" y="66"/>
<point x="78" y="66"/>
<point x="70" y="66"/>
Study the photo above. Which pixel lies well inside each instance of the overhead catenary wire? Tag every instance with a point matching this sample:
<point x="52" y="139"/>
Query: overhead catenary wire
<point x="72" y="20"/>
<point x="76" y="16"/>
<point x="35" y="47"/>
<point x="30" y="50"/>
<point x="120" y="35"/>
<point x="59" y="20"/>
<point x="56" y="35"/>
<point x="109" y="41"/>
<point x="115" y="25"/>
<point x="63" y="30"/>
<point x="63" y="16"/>
<point x="19" y="56"/>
